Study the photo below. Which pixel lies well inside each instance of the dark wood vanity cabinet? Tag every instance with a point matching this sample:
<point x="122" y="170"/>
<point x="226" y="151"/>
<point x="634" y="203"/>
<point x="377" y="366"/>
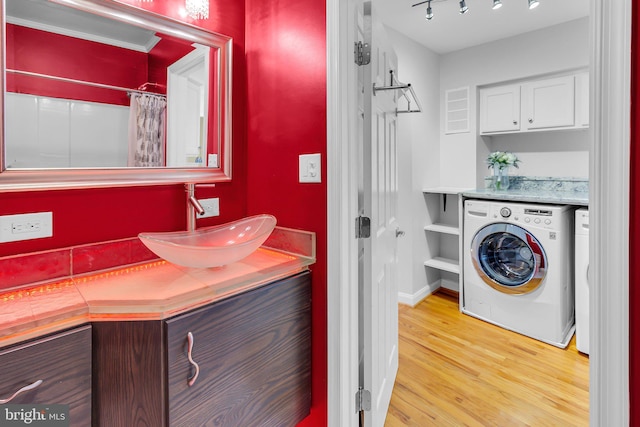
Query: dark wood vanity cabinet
<point x="253" y="356"/>
<point x="62" y="361"/>
<point x="253" y="353"/>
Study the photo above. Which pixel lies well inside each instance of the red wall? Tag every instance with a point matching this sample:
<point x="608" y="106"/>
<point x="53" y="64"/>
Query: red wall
<point x="634" y="232"/>
<point x="286" y="110"/>
<point x="53" y="54"/>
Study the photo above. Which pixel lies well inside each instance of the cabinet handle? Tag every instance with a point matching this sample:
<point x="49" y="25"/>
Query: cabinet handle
<point x="515" y="122"/>
<point x="22" y="390"/>
<point x="192" y="380"/>
<point x="530" y="120"/>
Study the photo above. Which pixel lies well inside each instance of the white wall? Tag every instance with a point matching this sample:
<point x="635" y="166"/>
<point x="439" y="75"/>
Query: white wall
<point x="418" y="161"/>
<point x="551" y="50"/>
<point x="46" y="132"/>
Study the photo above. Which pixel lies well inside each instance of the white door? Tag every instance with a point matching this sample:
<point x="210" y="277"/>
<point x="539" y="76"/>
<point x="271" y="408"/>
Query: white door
<point x="378" y="201"/>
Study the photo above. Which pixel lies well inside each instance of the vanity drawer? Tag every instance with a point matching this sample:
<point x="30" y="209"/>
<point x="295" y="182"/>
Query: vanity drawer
<point x="62" y="361"/>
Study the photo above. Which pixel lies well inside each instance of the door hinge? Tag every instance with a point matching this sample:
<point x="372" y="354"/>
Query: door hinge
<point x="363" y="400"/>
<point x="363" y="227"/>
<point x="362" y="53"/>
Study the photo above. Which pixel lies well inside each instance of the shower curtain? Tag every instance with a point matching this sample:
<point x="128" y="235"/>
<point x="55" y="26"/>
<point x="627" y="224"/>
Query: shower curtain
<point x="147" y="118"/>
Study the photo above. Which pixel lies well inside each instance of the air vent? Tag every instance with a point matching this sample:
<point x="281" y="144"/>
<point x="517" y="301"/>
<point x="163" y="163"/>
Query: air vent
<point x="457" y="110"/>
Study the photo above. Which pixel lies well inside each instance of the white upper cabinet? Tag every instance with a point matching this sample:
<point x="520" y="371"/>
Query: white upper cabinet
<point x="582" y="100"/>
<point x="549" y="103"/>
<point x="500" y="109"/>
<point x="536" y="105"/>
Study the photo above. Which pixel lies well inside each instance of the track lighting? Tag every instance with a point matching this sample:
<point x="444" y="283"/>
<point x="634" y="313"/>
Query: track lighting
<point x="464" y="8"/>
<point x="497" y="4"/>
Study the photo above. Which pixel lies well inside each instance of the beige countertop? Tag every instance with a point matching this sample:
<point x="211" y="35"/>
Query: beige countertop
<point x="151" y="291"/>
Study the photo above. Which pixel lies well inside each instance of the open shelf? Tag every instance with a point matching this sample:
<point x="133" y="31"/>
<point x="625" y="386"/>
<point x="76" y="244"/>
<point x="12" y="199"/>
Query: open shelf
<point x="445" y="264"/>
<point x="443" y="228"/>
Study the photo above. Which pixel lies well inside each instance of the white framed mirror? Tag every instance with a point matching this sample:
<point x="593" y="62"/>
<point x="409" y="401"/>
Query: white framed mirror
<point x="101" y="93"/>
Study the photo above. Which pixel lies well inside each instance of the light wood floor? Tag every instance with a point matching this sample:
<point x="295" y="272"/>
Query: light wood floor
<point x="456" y="370"/>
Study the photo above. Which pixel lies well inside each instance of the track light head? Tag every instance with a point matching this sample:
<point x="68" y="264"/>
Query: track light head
<point x="429" y="12"/>
<point x="497" y="4"/>
<point x="533" y="4"/>
<point x="463" y="7"/>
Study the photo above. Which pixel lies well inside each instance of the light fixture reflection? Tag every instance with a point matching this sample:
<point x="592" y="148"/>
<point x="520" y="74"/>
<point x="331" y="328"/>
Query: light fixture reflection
<point x="429" y="12"/>
<point x="533" y="4"/>
<point x="463" y="7"/>
<point x="497" y="4"/>
<point x="197" y="9"/>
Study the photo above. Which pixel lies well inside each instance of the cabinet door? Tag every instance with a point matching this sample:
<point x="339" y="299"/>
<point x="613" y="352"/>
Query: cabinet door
<point x="549" y="103"/>
<point x="582" y="100"/>
<point x="500" y="109"/>
<point x="253" y="354"/>
<point x="63" y="363"/>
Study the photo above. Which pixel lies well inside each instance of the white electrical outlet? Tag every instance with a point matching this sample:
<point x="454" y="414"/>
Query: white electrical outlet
<point x="309" y="168"/>
<point x="211" y="207"/>
<point x="14" y="228"/>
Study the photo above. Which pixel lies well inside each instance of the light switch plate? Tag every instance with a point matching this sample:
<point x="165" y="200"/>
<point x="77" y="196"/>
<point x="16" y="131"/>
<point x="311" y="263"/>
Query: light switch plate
<point x="309" y="168"/>
<point x="29" y="226"/>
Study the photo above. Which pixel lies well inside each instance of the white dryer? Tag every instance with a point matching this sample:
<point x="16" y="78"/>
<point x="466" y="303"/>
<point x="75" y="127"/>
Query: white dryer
<point x="517" y="265"/>
<point x="582" y="280"/>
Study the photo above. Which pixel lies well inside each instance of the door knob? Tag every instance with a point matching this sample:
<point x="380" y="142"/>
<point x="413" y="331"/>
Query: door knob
<point x="399" y="232"/>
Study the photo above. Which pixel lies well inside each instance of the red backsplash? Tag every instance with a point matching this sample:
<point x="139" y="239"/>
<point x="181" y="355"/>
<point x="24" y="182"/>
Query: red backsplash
<point x="26" y="269"/>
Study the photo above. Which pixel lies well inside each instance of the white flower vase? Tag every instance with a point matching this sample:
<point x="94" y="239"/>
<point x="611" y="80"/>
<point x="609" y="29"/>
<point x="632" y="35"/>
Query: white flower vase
<point x="500" y="178"/>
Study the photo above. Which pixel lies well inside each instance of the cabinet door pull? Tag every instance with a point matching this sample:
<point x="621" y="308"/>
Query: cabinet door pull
<point x="515" y="122"/>
<point x="530" y="120"/>
<point x="22" y="390"/>
<point x="192" y="380"/>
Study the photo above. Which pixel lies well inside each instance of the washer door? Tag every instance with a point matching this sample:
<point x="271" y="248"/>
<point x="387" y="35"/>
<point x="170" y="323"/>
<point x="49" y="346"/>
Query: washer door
<point x="509" y="258"/>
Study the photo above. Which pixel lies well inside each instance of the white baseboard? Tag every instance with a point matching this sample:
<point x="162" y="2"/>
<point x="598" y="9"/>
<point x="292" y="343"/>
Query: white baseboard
<point x="413" y="299"/>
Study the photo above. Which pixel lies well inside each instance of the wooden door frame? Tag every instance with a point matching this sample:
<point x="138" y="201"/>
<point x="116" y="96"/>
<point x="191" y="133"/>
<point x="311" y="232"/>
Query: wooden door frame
<point x="610" y="29"/>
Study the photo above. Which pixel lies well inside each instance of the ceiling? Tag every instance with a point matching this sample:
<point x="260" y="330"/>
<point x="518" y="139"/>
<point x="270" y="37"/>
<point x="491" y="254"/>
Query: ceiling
<point x="449" y="31"/>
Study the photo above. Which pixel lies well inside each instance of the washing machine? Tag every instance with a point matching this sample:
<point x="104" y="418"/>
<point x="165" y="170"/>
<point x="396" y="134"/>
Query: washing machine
<point x="582" y="279"/>
<point x="518" y="268"/>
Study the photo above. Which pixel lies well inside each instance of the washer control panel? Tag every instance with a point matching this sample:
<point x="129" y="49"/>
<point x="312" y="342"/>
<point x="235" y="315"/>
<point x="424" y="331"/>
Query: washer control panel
<point x="540" y="217"/>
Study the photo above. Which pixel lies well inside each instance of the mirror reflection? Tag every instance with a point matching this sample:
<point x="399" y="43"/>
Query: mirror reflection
<point x="85" y="91"/>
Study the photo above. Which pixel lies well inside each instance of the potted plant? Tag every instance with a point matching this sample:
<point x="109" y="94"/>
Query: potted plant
<point x="499" y="162"/>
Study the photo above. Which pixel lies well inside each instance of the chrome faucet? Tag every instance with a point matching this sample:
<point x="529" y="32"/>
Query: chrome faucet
<point x="193" y="206"/>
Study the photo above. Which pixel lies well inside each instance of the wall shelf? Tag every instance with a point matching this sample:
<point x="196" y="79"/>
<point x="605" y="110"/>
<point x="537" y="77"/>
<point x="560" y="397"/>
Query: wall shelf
<point x="444" y="264"/>
<point x="443" y="228"/>
<point x="443" y="233"/>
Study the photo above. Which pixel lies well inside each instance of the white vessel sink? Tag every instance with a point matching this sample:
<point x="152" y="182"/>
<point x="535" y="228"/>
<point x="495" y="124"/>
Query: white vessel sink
<point x="211" y="246"/>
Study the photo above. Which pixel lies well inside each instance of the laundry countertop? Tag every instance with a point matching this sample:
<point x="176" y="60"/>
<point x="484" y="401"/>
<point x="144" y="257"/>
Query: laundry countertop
<point x="549" y="190"/>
